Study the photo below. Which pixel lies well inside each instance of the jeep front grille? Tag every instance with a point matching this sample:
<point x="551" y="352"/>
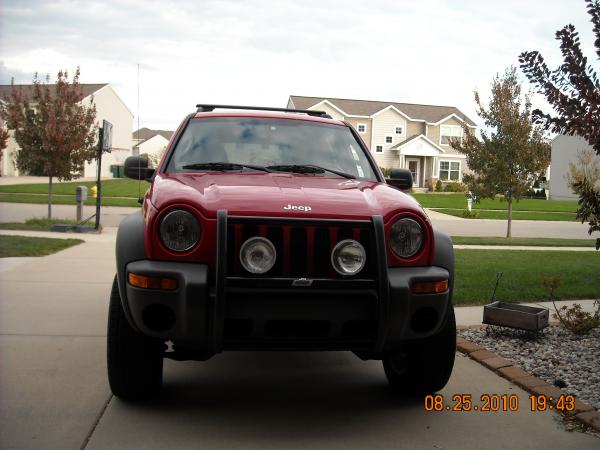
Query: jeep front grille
<point x="303" y="245"/>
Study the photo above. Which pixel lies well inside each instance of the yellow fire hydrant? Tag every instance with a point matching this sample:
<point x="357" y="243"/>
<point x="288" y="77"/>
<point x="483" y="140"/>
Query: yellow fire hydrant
<point x="94" y="191"/>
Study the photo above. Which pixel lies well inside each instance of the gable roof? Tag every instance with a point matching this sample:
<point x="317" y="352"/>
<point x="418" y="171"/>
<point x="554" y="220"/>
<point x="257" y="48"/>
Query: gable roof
<point x="412" y="138"/>
<point x="27" y="90"/>
<point x="143" y="134"/>
<point x="367" y="108"/>
<point x="443" y="151"/>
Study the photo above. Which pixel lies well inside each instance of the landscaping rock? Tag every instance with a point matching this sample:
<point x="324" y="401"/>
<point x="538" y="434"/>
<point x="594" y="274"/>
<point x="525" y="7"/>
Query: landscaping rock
<point x="557" y="356"/>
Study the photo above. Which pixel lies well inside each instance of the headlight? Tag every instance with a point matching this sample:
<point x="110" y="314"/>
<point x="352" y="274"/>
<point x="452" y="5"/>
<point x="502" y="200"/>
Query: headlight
<point x="348" y="257"/>
<point x="179" y="230"/>
<point x="406" y="237"/>
<point x="258" y="255"/>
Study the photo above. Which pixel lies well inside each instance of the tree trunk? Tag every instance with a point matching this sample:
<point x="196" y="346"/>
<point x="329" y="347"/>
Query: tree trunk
<point x="509" y="217"/>
<point x="50" y="197"/>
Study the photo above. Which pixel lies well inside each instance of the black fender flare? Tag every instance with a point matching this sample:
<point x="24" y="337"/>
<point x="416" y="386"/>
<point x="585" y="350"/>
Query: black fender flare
<point x="130" y="246"/>
<point x="444" y="256"/>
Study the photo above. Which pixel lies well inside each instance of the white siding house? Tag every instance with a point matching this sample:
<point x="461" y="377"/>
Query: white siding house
<point x="109" y="106"/>
<point x="564" y="151"/>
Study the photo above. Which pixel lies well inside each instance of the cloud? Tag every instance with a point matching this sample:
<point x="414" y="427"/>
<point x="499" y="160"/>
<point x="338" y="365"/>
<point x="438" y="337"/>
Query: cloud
<point x="260" y="51"/>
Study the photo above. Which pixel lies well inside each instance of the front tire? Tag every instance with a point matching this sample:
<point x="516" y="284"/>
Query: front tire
<point x="423" y="367"/>
<point x="135" y="361"/>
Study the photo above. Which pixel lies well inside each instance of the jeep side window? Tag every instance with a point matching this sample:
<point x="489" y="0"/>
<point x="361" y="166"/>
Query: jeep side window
<point x="268" y="142"/>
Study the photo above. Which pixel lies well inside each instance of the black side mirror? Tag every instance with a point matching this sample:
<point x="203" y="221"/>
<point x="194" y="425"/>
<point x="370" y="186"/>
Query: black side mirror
<point x="400" y="178"/>
<point x="136" y="167"/>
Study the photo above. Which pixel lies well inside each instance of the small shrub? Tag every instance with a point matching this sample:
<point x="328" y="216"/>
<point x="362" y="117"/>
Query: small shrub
<point x="454" y="187"/>
<point x="573" y="318"/>
<point x="466" y="214"/>
<point x="438" y="186"/>
<point x="386" y="172"/>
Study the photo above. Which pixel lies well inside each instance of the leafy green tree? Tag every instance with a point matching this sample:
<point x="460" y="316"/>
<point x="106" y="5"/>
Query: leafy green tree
<point x="54" y="130"/>
<point x="512" y="152"/>
<point x="573" y="91"/>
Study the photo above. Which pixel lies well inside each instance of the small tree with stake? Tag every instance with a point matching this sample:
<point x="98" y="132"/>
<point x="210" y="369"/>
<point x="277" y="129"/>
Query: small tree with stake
<point x="512" y="152"/>
<point x="55" y="132"/>
<point x="573" y="91"/>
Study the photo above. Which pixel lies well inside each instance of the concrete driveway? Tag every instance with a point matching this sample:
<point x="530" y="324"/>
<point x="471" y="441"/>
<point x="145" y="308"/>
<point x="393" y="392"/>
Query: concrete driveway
<point x="54" y="392"/>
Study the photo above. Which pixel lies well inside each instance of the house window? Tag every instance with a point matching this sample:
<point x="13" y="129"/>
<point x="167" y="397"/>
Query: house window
<point x="388" y="139"/>
<point x="379" y="149"/>
<point x="448" y="132"/>
<point x="450" y="170"/>
<point x="361" y="127"/>
<point x="398" y="130"/>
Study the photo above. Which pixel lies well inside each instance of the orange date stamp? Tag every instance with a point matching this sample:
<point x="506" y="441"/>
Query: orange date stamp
<point x="497" y="403"/>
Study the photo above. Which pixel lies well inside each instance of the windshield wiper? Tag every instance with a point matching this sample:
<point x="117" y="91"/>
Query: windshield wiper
<point x="222" y="166"/>
<point x="308" y="168"/>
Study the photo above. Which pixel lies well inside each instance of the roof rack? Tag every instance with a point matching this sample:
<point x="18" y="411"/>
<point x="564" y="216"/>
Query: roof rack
<point x="207" y="108"/>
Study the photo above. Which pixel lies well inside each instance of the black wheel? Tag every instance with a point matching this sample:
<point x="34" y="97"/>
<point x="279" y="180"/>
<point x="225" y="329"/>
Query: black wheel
<point x="135" y="361"/>
<point x="423" y="367"/>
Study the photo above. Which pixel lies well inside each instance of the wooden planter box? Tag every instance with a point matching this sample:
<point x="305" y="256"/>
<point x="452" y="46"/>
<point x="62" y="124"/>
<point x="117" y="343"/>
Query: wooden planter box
<point x="529" y="318"/>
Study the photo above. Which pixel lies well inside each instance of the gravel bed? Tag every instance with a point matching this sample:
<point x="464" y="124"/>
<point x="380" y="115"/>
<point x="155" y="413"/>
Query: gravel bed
<point x="557" y="356"/>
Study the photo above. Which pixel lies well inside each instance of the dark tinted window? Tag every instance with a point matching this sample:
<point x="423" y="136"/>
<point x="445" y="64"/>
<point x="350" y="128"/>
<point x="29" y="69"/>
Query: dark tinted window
<point x="268" y="142"/>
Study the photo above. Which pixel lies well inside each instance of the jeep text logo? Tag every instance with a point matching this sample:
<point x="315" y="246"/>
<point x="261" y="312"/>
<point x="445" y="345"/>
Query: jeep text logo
<point x="297" y="208"/>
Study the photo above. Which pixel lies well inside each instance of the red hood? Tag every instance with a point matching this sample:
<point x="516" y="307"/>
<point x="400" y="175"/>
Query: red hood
<point x="267" y="194"/>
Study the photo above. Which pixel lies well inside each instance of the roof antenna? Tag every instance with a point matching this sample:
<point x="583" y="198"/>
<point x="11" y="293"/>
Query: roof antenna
<point x="140" y="200"/>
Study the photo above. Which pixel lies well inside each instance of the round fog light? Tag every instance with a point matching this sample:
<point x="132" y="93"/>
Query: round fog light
<point x="258" y="255"/>
<point x="348" y="257"/>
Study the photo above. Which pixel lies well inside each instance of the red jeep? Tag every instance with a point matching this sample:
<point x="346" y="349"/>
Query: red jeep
<point x="274" y="229"/>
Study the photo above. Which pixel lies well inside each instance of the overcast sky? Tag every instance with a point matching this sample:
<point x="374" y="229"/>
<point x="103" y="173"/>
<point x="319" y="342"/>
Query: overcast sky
<point x="259" y="52"/>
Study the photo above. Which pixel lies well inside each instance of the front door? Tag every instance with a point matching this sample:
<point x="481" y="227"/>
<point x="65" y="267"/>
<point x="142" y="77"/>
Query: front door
<point x="414" y="165"/>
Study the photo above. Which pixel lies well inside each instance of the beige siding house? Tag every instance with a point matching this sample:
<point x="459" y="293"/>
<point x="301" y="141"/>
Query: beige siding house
<point x="151" y="142"/>
<point x="402" y="135"/>
<point x="109" y="106"/>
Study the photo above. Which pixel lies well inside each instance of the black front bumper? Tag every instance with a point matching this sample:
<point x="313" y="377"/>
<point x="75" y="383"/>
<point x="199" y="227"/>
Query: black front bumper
<point x="221" y="312"/>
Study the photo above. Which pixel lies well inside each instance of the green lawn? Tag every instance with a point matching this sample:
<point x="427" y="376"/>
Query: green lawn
<point x="35" y="224"/>
<point x="535" y="242"/>
<point x="117" y="192"/>
<point x="67" y="199"/>
<point x="517" y="215"/>
<point x="523" y="270"/>
<point x="33" y="246"/>
<point x="459" y="201"/>
<point x="119" y="187"/>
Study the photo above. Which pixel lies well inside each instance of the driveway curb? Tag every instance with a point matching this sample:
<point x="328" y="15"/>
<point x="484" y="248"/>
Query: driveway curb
<point x="583" y="412"/>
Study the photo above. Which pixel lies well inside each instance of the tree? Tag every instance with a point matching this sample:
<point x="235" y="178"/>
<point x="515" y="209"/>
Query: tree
<point x="54" y="130"/>
<point x="512" y="152"/>
<point x="573" y="91"/>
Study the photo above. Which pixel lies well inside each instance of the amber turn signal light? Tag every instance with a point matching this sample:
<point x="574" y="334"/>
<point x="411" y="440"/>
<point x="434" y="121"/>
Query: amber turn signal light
<point x="430" y="287"/>
<point x="144" y="282"/>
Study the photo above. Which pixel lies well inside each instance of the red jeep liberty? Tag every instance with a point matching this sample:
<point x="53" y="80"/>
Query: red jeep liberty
<point x="274" y="229"/>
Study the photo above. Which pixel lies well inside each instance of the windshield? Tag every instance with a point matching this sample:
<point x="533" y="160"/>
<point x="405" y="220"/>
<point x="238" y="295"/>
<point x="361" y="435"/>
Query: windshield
<point x="269" y="142"/>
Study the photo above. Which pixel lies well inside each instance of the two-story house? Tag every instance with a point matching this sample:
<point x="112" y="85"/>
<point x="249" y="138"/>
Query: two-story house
<point x="402" y="135"/>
